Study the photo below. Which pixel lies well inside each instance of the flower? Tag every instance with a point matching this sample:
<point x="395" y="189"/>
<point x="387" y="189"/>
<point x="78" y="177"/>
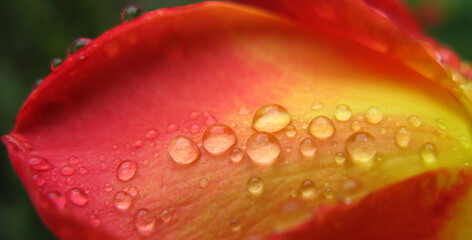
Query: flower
<point x="310" y="119"/>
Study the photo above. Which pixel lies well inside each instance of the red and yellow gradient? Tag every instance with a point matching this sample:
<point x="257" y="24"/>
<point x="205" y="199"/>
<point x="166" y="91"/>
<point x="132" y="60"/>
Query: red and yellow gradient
<point x="176" y="71"/>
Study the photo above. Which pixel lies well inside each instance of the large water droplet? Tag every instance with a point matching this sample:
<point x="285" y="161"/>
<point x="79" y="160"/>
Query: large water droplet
<point x="144" y="221"/>
<point x="321" y="127"/>
<point x="373" y="115"/>
<point x="183" y="150"/>
<point x="308" y="190"/>
<point x="237" y="155"/>
<point x="263" y="148"/>
<point x="414" y="121"/>
<point x="166" y="216"/>
<point x="342" y="112"/>
<point x="56" y="62"/>
<point x="130" y="13"/>
<point x="78" y="44"/>
<point x="428" y="153"/>
<point x="255" y="186"/>
<point x="307" y="147"/>
<point x="270" y="118"/>
<point x="126" y="170"/>
<point x="39" y="164"/>
<point x="77" y="196"/>
<point x="402" y="137"/>
<point x="218" y="139"/>
<point x="122" y="201"/>
<point x="362" y="147"/>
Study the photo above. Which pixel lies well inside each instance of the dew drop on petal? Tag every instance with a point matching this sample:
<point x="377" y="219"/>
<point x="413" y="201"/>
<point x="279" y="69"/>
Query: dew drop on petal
<point x="210" y="120"/>
<point x="308" y="147"/>
<point x="67" y="171"/>
<point x="316" y="105"/>
<point x="355" y="126"/>
<point x="130" y="13"/>
<point x="263" y="148"/>
<point x="237" y="155"/>
<point x="403" y="137"/>
<point x="126" y="170"/>
<point x="144" y="221"/>
<point x="270" y="118"/>
<point x="373" y="115"/>
<point x="362" y="147"/>
<point x="39" y="164"/>
<point x="78" y="44"/>
<point x="73" y="160"/>
<point x="183" y="150"/>
<point x="55" y="63"/>
<point x="77" y="196"/>
<point x="152" y="134"/>
<point x="428" y="153"/>
<point x="108" y="187"/>
<point x="414" y="121"/>
<point x="255" y="186"/>
<point x="290" y="131"/>
<point x="37" y="82"/>
<point x="39" y="180"/>
<point x="203" y="183"/>
<point x="217" y="139"/>
<point x="342" y="112"/>
<point x="308" y="190"/>
<point x="235" y="225"/>
<point x="340" y="158"/>
<point x="328" y="192"/>
<point x="321" y="127"/>
<point x="166" y="216"/>
<point x="57" y="199"/>
<point x="122" y="201"/>
<point x="83" y="171"/>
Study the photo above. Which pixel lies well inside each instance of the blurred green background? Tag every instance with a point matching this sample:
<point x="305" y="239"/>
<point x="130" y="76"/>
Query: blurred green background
<point x="33" y="32"/>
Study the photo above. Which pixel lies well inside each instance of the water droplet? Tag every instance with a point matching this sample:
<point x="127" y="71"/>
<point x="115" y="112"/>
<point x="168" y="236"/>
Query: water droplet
<point x="122" y="201"/>
<point x="39" y="164"/>
<point x="218" y="139"/>
<point x="362" y="147"/>
<point x="316" y="105"/>
<point x="210" y="120"/>
<point x="166" y="216"/>
<point x="172" y="128"/>
<point x="342" y="112"/>
<point x="402" y="137"/>
<point x="37" y="82"/>
<point x="414" y="121"/>
<point x="270" y="118"/>
<point x="243" y="111"/>
<point x="67" y="171"/>
<point x="340" y="158"/>
<point x="291" y="131"/>
<point x="255" y="186"/>
<point x="152" y="134"/>
<point x="373" y="115"/>
<point x="195" y="129"/>
<point x="57" y="199"/>
<point x="77" y="196"/>
<point x="183" y="150"/>
<point x="130" y="13"/>
<point x="203" y="182"/>
<point x="78" y="44"/>
<point x="308" y="147"/>
<point x="108" y="187"/>
<point x="308" y="190"/>
<point x="56" y="62"/>
<point x="73" y="160"/>
<point x="83" y="171"/>
<point x="263" y="148"/>
<point x="94" y="220"/>
<point x="355" y="126"/>
<point x="352" y="188"/>
<point x="428" y="153"/>
<point x="321" y="127"/>
<point x="133" y="191"/>
<point x="126" y="170"/>
<point x="144" y="221"/>
<point x="328" y="192"/>
<point x="237" y="155"/>
<point x="235" y="225"/>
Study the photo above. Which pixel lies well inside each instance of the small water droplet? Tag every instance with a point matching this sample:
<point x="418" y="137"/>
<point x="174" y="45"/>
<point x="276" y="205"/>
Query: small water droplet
<point x="373" y="115"/>
<point x="172" y="128"/>
<point x="73" y="160"/>
<point x="68" y="171"/>
<point x="235" y="225"/>
<point x="203" y="183"/>
<point x="108" y="187"/>
<point x="290" y="131"/>
<point x="77" y="197"/>
<point x="243" y="111"/>
<point x="355" y="126"/>
<point x="210" y="120"/>
<point x="342" y="112"/>
<point x="39" y="180"/>
<point x="37" y="82"/>
<point x="57" y="199"/>
<point x="414" y="121"/>
<point x="217" y="139"/>
<point x="55" y="63"/>
<point x="340" y="158"/>
<point x="166" y="216"/>
<point x="362" y="147"/>
<point x="83" y="171"/>
<point x="39" y="164"/>
<point x="183" y="150"/>
<point x="237" y="155"/>
<point x="126" y="170"/>
<point x="328" y="192"/>
<point x="308" y="147"/>
<point x="321" y="127"/>
<point x="263" y="148"/>
<point x="428" y="153"/>
<point x="383" y="131"/>
<point x="195" y="129"/>
<point x="152" y="134"/>
<point x="270" y="118"/>
<point x="78" y="44"/>
<point x="316" y="105"/>
<point x="144" y="221"/>
<point x="308" y="190"/>
<point x="402" y="137"/>
<point x="122" y="201"/>
<point x="255" y="186"/>
<point x="130" y="13"/>
<point x="94" y="220"/>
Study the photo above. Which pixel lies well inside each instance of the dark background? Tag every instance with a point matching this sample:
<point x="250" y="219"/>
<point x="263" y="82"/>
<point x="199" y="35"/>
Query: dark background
<point x="33" y="32"/>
